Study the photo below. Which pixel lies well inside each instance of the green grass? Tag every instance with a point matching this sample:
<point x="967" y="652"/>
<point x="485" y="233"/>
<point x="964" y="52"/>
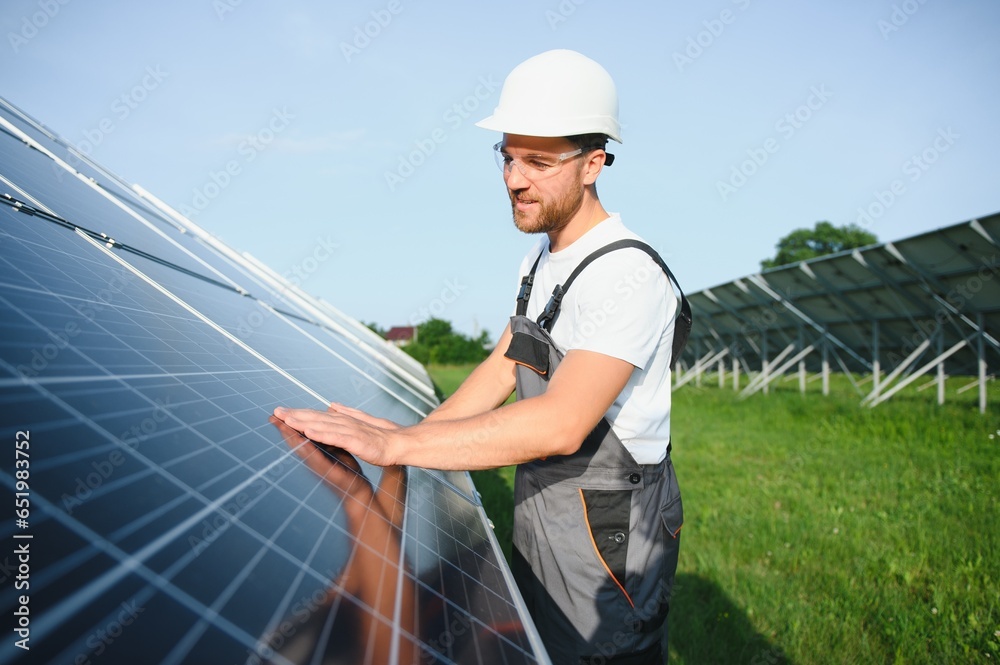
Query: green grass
<point x="819" y="531"/>
<point x="449" y="377"/>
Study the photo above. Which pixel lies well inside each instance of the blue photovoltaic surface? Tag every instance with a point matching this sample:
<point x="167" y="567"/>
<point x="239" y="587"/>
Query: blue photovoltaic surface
<point x="170" y="518"/>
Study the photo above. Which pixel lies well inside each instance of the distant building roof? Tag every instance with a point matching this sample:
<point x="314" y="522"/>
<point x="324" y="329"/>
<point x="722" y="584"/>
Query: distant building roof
<point x="401" y="333"/>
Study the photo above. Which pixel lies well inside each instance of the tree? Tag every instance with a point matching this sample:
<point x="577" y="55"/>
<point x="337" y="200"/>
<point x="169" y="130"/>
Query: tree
<point x="438" y="343"/>
<point x="373" y="326"/>
<point x="823" y="239"/>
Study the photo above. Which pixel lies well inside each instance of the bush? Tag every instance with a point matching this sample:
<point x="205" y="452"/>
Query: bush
<point x="436" y="342"/>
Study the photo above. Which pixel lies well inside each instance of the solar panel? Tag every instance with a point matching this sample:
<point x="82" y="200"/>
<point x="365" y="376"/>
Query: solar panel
<point x="903" y="306"/>
<point x="162" y="515"/>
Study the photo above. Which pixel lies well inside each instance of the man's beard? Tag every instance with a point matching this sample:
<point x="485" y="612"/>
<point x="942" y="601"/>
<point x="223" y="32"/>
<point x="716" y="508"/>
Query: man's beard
<point x="551" y="215"/>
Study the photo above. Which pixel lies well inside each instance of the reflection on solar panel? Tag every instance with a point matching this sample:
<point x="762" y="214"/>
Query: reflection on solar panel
<point x="161" y="515"/>
<point x="895" y="311"/>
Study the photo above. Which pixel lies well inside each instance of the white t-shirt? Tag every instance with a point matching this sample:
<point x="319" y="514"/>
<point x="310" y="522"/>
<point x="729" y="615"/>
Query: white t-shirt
<point x="621" y="305"/>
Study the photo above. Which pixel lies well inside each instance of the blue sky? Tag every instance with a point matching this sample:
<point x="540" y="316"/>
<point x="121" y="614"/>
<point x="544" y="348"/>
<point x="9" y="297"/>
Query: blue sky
<point x="291" y="128"/>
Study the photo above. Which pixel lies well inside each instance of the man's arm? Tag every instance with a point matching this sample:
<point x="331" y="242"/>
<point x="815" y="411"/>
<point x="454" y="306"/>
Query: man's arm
<point x="487" y="387"/>
<point x="556" y="422"/>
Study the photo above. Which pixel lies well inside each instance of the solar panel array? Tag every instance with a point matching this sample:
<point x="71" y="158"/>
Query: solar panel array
<point x="160" y="514"/>
<point x="896" y="307"/>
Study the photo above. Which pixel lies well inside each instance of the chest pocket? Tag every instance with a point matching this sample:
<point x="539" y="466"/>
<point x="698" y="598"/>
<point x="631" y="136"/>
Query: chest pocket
<point x="527" y="350"/>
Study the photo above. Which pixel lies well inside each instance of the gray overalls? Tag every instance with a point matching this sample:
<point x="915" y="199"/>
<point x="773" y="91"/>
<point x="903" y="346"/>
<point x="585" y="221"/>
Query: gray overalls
<point x="596" y="535"/>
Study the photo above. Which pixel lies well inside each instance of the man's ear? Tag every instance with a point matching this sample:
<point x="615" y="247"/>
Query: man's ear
<point x="592" y="167"/>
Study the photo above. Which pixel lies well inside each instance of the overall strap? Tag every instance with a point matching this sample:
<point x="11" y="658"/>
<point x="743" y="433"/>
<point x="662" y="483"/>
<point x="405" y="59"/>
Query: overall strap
<point x="526" y="282"/>
<point x="548" y="317"/>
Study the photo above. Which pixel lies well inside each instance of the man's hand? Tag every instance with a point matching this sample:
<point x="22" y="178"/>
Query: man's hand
<point x="366" y="418"/>
<point x="367" y="437"/>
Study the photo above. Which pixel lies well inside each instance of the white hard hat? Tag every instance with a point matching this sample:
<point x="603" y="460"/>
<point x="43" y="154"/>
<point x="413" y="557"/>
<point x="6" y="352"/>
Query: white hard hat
<point x="557" y="93"/>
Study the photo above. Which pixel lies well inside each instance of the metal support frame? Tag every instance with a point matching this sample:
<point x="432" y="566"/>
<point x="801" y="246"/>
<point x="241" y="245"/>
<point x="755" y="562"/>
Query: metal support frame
<point x="861" y="305"/>
<point x="876" y="363"/>
<point x="981" y="354"/>
<point x="936" y="362"/>
<point x="940" y="371"/>
<point x="765" y="378"/>
<point x="706" y="360"/>
<point x="736" y="367"/>
<point x="826" y="369"/>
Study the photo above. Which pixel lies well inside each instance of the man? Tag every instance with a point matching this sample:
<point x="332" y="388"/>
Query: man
<point x="598" y="510"/>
